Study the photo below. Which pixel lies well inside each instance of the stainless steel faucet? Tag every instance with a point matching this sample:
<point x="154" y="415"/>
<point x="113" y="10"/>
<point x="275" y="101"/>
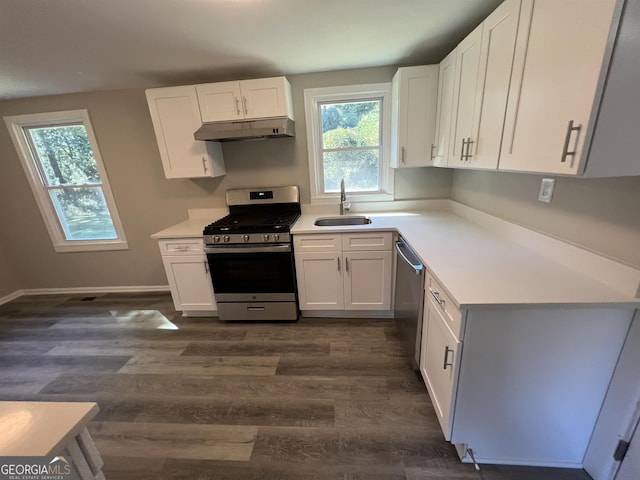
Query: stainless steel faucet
<point x="343" y="197"/>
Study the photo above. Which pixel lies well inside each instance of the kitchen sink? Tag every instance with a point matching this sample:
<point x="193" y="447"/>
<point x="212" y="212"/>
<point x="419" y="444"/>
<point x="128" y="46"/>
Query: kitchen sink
<point x="346" y="220"/>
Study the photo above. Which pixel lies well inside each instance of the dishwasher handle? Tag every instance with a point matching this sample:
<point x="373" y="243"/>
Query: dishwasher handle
<point x="403" y="250"/>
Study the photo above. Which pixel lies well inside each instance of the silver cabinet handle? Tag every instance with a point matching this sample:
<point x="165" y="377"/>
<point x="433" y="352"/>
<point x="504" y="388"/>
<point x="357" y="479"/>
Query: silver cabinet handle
<point x="204" y="165"/>
<point x="464" y="144"/>
<point x="244" y="105"/>
<point x="206" y="267"/>
<point x="436" y="296"/>
<point x="346" y="264"/>
<point x="567" y="139"/>
<point x="433" y="147"/>
<point x="467" y="155"/>
<point x="338" y="263"/>
<point x="402" y="159"/>
<point x="237" y="105"/>
<point x="446" y="363"/>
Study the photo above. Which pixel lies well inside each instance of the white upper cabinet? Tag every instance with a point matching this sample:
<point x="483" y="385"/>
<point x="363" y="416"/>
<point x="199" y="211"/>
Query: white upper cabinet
<point x="483" y="70"/>
<point x="415" y="93"/>
<point x="446" y="78"/>
<point x="556" y="82"/>
<point x="176" y="116"/>
<point x="245" y="99"/>
<point x="494" y="73"/>
<point x="465" y="84"/>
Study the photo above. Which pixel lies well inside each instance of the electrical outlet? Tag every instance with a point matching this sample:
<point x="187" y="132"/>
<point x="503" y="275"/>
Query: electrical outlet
<point x="546" y="189"/>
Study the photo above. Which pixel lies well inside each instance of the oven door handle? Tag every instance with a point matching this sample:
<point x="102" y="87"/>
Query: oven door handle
<point x="221" y="250"/>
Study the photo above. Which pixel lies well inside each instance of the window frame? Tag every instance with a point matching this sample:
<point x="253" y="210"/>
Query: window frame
<point x="16" y="124"/>
<point x="313" y="98"/>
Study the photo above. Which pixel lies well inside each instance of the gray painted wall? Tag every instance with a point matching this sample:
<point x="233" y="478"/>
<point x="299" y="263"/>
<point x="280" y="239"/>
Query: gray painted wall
<point x="8" y="281"/>
<point x="598" y="214"/>
<point x="147" y="201"/>
<point x="602" y="215"/>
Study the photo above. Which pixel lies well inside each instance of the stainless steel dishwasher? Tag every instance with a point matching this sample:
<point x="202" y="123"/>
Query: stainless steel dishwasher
<point x="409" y="298"/>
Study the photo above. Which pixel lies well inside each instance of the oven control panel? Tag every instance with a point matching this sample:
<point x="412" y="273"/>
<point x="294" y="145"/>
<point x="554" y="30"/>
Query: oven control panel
<point x="236" y="238"/>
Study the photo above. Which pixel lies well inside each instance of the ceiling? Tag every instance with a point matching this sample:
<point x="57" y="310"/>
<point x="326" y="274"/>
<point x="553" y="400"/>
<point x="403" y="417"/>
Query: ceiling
<point x="62" y="46"/>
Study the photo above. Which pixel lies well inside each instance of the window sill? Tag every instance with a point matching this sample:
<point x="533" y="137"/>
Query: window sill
<point x="332" y="199"/>
<point x="91" y="246"/>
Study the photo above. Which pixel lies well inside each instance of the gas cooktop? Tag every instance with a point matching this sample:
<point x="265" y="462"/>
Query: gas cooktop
<point x="261" y="215"/>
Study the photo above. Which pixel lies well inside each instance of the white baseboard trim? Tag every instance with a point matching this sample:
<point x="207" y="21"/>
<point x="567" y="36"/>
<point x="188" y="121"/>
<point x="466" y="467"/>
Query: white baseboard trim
<point x="83" y="291"/>
<point x="10" y="297"/>
<point x="347" y="314"/>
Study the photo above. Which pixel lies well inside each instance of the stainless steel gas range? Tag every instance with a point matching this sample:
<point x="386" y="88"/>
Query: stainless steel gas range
<point x="250" y="255"/>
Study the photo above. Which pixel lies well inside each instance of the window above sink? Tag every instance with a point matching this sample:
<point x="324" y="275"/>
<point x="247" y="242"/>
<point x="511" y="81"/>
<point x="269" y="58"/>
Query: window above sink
<point x="348" y="132"/>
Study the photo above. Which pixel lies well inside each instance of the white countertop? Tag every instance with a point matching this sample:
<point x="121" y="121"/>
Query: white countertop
<point x="193" y="226"/>
<point x="480" y="267"/>
<point x="41" y="428"/>
<point x="479" y="259"/>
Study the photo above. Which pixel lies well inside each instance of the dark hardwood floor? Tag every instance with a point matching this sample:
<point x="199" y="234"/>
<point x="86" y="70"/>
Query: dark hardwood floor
<point x="195" y="398"/>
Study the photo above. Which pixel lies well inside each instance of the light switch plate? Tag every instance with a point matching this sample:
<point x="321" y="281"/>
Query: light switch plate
<point x="546" y="189"/>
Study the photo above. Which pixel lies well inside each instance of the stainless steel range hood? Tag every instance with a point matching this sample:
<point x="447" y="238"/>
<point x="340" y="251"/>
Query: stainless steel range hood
<point x="246" y="130"/>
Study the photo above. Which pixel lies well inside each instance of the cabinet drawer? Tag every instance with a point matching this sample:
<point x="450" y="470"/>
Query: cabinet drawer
<point x="317" y="243"/>
<point x="181" y="246"/>
<point x="450" y="313"/>
<point x="367" y="241"/>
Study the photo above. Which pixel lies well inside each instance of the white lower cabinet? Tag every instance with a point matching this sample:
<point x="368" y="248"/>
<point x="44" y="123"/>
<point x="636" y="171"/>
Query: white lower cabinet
<point x="439" y="361"/>
<point x="344" y="271"/>
<point x="188" y="274"/>
<point x="521" y="384"/>
<point x="320" y="281"/>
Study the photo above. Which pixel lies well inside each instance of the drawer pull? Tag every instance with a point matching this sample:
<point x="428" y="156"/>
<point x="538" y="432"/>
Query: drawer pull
<point x="436" y="296"/>
<point x="182" y="248"/>
<point x="446" y="363"/>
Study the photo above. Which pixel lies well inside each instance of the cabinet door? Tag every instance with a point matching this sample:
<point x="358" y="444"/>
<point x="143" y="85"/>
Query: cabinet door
<point x="464" y="98"/>
<point x="439" y="359"/>
<point x="414" y="115"/>
<point x="367" y="280"/>
<point x="266" y="97"/>
<point x="496" y="59"/>
<point x="446" y="77"/>
<point x="319" y="278"/>
<point x="558" y="58"/>
<point x="176" y="116"/>
<point x="190" y="282"/>
<point x="220" y="101"/>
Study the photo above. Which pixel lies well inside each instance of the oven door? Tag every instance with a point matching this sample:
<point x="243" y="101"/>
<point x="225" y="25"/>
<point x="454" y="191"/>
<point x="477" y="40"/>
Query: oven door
<point x="245" y="273"/>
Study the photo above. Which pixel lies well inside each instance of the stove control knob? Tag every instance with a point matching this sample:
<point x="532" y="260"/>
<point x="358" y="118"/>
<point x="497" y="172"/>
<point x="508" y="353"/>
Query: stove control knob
<point x="225" y="238"/>
<point x="276" y="237"/>
<point x="216" y="238"/>
<point x="245" y="238"/>
<point x="266" y="237"/>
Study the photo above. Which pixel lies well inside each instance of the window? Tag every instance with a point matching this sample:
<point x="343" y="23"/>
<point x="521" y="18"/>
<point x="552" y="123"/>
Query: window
<point x="347" y="135"/>
<point x="60" y="156"/>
